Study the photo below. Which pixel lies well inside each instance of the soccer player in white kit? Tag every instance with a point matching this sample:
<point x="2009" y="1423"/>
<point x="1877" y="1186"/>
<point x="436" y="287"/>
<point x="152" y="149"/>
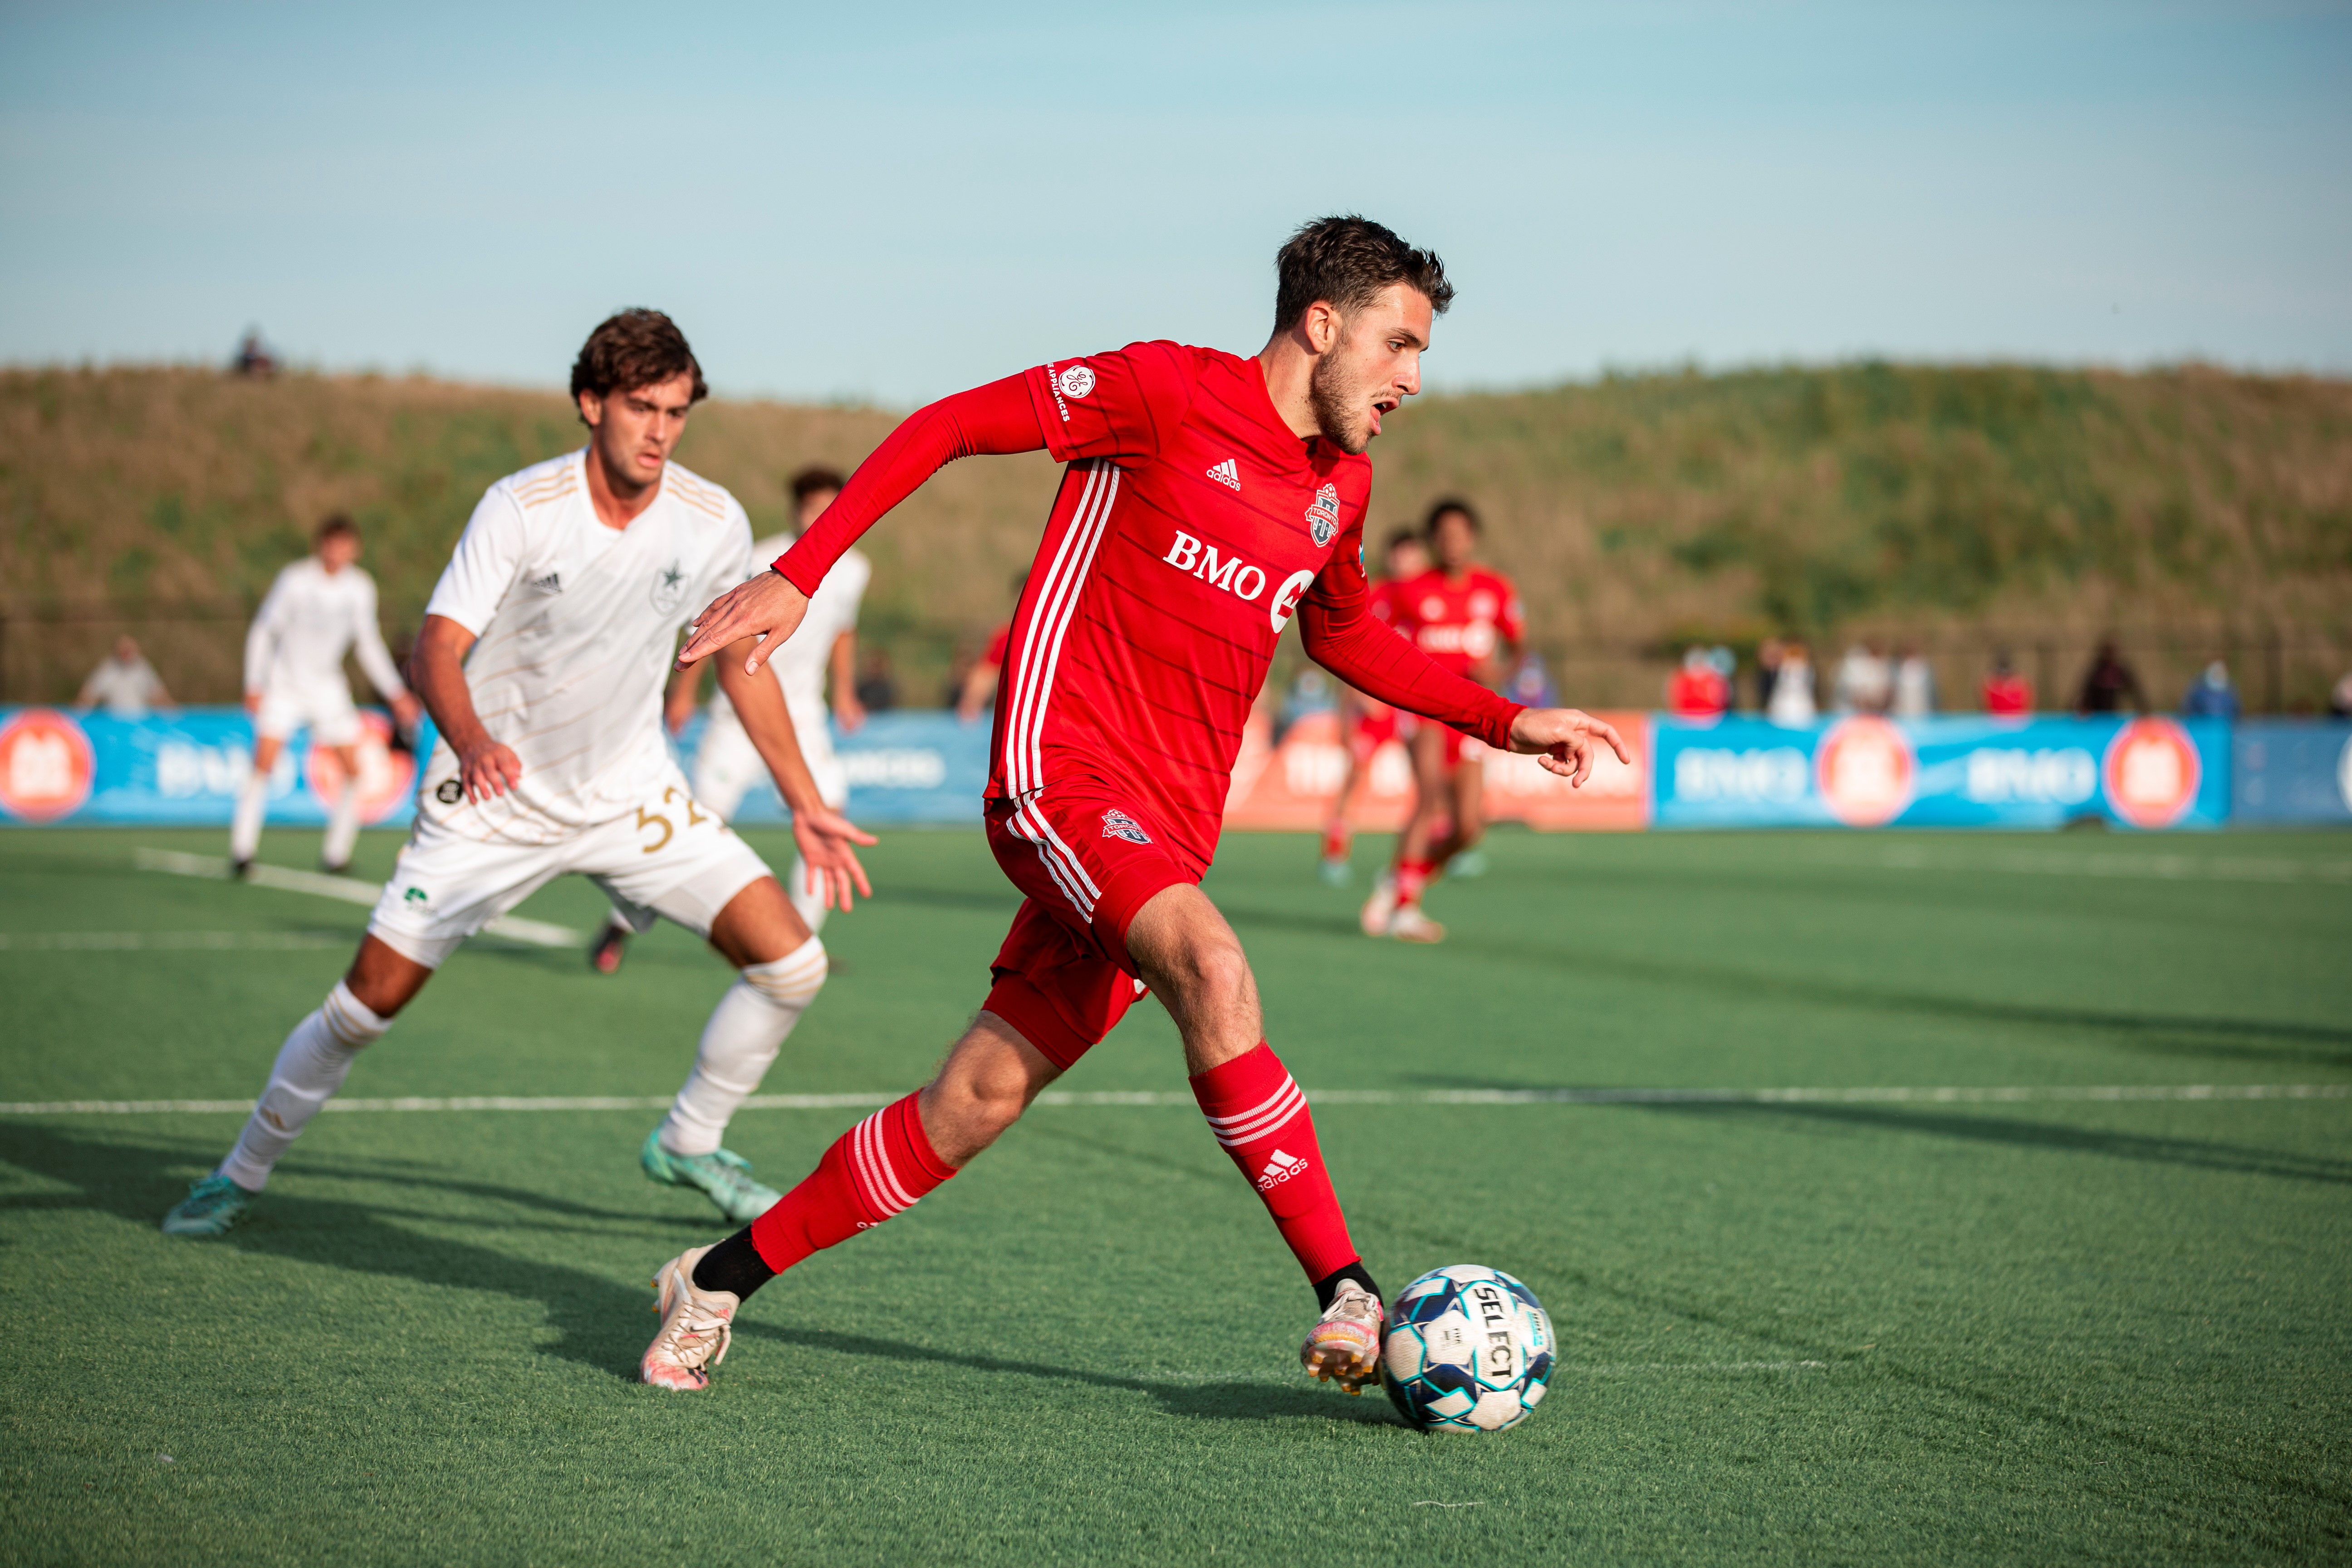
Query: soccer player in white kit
<point x="568" y="590"/>
<point x="319" y="608"/>
<point x="823" y="653"/>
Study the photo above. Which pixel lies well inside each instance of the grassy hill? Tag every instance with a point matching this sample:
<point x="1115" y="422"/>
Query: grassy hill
<point x="2192" y="511"/>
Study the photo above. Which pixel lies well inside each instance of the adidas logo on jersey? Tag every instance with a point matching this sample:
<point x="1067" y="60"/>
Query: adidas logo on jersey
<point x="1118" y="825"/>
<point x="1228" y="474"/>
<point x="1278" y="1169"/>
<point x="550" y="584"/>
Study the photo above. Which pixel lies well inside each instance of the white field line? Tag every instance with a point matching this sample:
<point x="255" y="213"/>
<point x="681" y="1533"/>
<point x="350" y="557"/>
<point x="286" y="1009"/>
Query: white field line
<point x="348" y="889"/>
<point x="2160" y="868"/>
<point x="169" y="941"/>
<point x="1864" y="1096"/>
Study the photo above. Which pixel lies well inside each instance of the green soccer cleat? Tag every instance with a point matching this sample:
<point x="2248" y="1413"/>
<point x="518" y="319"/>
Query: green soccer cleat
<point x="724" y="1176"/>
<point x="211" y="1206"/>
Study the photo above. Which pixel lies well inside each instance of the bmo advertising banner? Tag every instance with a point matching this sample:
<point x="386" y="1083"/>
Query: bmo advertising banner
<point x="1868" y="771"/>
<point x="185" y="768"/>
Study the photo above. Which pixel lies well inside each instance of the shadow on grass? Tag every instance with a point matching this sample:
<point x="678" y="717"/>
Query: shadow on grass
<point x="598" y="1323"/>
<point x="1198" y="1401"/>
<point x="2192" y="1152"/>
<point x="2162" y="1034"/>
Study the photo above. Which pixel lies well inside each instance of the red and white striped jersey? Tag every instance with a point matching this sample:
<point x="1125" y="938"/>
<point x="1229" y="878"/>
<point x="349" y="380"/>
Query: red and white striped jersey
<point x="1189" y="523"/>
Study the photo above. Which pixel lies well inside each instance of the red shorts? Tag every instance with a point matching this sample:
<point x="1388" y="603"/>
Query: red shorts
<point x="1454" y="739"/>
<point x="1087" y="857"/>
<point x="1370" y="732"/>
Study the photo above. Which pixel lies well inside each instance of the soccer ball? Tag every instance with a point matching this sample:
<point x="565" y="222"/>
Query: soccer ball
<point x="1468" y="1348"/>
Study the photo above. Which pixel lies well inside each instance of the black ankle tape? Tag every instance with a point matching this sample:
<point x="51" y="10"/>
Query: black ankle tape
<point x="1325" y="1289"/>
<point x="733" y="1265"/>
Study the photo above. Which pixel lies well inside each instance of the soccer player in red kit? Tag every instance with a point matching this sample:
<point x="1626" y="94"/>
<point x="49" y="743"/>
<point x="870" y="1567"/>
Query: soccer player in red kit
<point x="1465" y="618"/>
<point x="1207" y="500"/>
<point x="1366" y="724"/>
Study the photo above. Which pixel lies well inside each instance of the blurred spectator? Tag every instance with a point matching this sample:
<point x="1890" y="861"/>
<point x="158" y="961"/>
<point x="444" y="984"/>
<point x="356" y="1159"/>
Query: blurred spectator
<point x="125" y="684"/>
<point x="1530" y="684"/>
<point x="977" y="689"/>
<point x="1311" y="691"/>
<point x="254" y="358"/>
<point x="1863" y="683"/>
<point x="2339" y="701"/>
<point x="1767" y="670"/>
<point x="1792" y="689"/>
<point x="877" y="689"/>
<point x="2007" y="694"/>
<point x="2109" y="683"/>
<point x="1697" y="691"/>
<point x="2211" y="695"/>
<point x="1914" y="684"/>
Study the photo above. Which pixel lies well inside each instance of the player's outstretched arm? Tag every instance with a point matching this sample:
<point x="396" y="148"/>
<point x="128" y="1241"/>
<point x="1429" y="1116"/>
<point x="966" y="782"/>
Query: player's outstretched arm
<point x="485" y="767"/>
<point x="996" y="418"/>
<point x="827" y="839"/>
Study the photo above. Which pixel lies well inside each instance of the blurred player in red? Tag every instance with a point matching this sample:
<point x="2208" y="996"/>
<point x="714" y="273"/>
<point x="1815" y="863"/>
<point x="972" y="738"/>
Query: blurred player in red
<point x="1207" y="499"/>
<point x="2007" y="694"/>
<point x="1465" y="618"/>
<point x="1698" y="690"/>
<point x="1366" y="723"/>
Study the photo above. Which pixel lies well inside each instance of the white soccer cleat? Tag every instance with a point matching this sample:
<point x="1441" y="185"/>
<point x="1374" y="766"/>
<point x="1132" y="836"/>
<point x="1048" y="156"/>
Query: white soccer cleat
<point x="1409" y="924"/>
<point x="1380" y="906"/>
<point x="696" y="1326"/>
<point x="1344" y="1346"/>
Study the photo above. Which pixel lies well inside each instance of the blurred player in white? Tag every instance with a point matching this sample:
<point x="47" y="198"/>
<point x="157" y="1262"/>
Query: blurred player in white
<point x="319" y="608"/>
<point x="568" y="590"/>
<point x="822" y="654"/>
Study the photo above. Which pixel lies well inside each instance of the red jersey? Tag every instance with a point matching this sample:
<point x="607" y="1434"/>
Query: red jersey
<point x="998" y="641"/>
<point x="1700" y="693"/>
<point x="1459" y="624"/>
<point x="1190" y="522"/>
<point x="2008" y="695"/>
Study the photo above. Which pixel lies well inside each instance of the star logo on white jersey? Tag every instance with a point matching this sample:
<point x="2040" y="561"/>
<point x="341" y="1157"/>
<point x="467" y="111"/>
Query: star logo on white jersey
<point x="1228" y="474"/>
<point x="1278" y="1169"/>
<point x="669" y="588"/>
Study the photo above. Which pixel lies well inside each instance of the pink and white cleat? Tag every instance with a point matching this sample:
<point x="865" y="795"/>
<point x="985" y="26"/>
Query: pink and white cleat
<point x="1344" y="1346"/>
<point x="696" y="1326"/>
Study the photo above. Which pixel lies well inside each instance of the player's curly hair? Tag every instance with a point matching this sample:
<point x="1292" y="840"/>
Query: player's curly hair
<point x="1346" y="262"/>
<point x="1443" y="506"/>
<point x="635" y="348"/>
<point x="810" y="481"/>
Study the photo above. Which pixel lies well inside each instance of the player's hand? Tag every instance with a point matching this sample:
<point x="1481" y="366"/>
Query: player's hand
<point x="827" y="840"/>
<point x="768" y="606"/>
<point x="848" y="712"/>
<point x="406" y="712"/>
<point x="253" y="702"/>
<point x="1566" y="740"/>
<point x="489" y="769"/>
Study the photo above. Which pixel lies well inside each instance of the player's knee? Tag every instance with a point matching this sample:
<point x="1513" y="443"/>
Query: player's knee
<point x="1214" y="971"/>
<point x="793" y="980"/>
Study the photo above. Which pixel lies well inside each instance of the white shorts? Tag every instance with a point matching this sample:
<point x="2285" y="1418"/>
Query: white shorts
<point x="673" y="857"/>
<point x="726" y="765"/>
<point x="328" y="710"/>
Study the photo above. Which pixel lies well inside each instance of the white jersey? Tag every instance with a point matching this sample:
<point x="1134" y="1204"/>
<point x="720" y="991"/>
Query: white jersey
<point x="578" y="624"/>
<point x="801" y="664"/>
<point x="310" y="617"/>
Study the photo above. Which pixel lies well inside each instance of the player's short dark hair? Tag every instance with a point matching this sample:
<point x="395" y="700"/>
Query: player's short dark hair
<point x="1406" y="534"/>
<point x="814" y="479"/>
<point x="1346" y="262"/>
<point x="631" y="349"/>
<point x="1445" y="505"/>
<point x="336" y="524"/>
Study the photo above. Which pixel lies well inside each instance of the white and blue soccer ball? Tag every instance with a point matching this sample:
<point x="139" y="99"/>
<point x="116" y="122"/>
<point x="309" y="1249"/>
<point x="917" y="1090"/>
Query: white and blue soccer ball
<point x="1468" y="1348"/>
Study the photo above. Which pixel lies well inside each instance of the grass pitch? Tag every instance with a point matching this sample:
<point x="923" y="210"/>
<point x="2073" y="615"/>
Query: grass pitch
<point x="1804" y="1330"/>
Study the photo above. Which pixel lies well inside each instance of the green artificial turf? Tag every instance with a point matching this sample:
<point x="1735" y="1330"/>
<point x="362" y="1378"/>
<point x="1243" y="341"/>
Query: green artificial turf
<point x="1806" y="1333"/>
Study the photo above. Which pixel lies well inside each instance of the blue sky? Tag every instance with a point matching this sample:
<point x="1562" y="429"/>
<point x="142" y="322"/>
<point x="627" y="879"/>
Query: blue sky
<point x="890" y="203"/>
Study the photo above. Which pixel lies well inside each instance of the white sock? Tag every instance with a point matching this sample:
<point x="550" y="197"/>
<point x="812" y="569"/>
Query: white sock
<point x="806" y="895"/>
<point x="342" y="825"/>
<point x="310" y="1069"/>
<point x="746" y="1030"/>
<point x="244" y="827"/>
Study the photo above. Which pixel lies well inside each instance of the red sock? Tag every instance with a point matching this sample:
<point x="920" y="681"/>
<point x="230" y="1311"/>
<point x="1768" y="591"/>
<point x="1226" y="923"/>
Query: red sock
<point x="1260" y="1117"/>
<point x="1411" y="876"/>
<point x="872" y="1171"/>
<point x="1336" y="838"/>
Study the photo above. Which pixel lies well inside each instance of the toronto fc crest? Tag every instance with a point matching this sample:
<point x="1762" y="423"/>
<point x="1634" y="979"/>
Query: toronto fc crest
<point x="1323" y="517"/>
<point x="1118" y="825"/>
